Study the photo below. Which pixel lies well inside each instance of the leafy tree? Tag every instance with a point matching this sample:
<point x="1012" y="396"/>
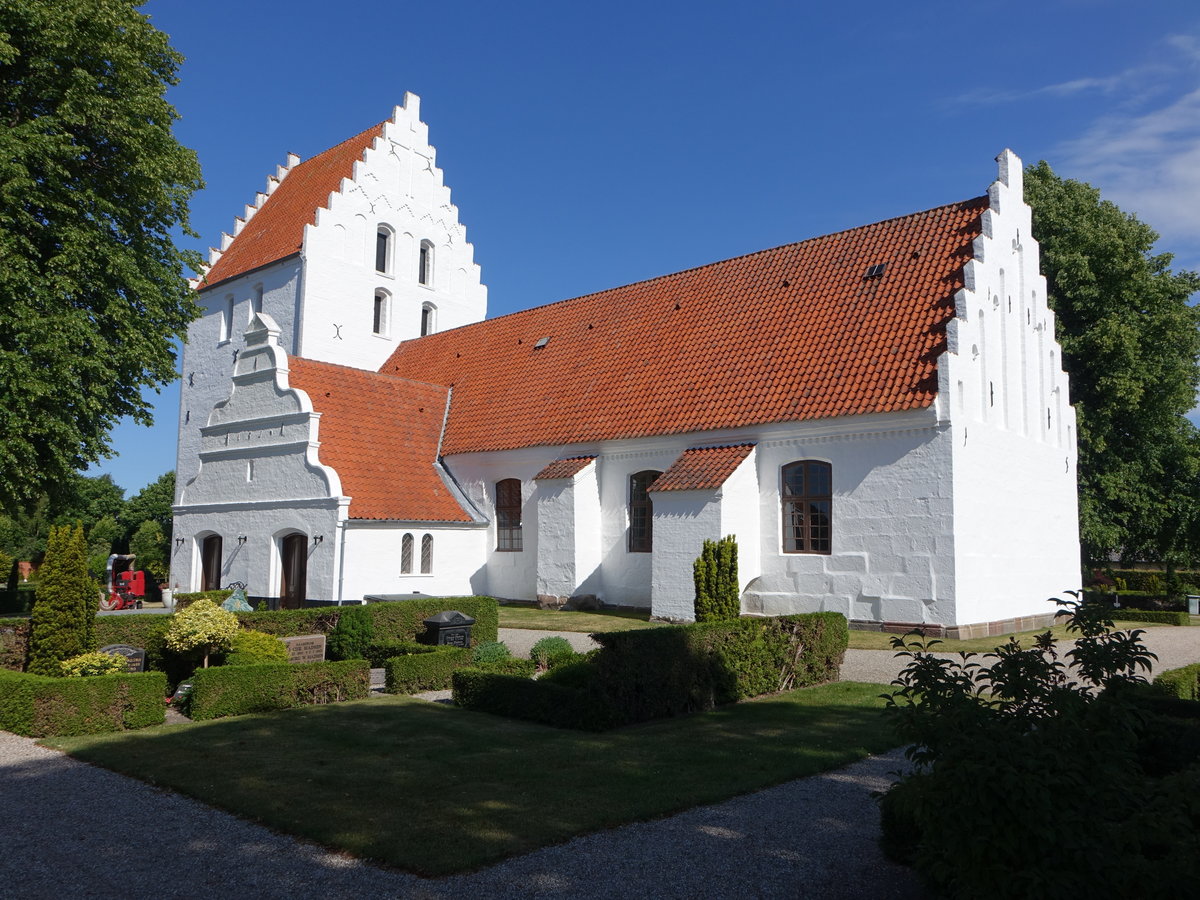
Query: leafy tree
<point x="100" y="539"/>
<point x="62" y="623"/>
<point x="152" y="549"/>
<point x="202" y="625"/>
<point x="92" y="184"/>
<point x="715" y="575"/>
<point x="1130" y="344"/>
<point x="86" y="499"/>
<point x="153" y="502"/>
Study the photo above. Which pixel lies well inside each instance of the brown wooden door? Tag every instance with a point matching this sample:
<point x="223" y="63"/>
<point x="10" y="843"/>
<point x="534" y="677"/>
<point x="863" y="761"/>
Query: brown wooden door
<point x="294" y="584"/>
<point x="210" y="555"/>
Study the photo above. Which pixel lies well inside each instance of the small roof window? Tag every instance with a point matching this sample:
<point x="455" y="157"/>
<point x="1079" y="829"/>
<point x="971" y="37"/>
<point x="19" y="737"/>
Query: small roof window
<point x="542" y="342"/>
<point x="875" y="271"/>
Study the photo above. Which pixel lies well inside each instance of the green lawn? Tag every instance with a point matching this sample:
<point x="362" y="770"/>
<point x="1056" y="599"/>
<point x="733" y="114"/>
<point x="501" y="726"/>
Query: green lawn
<point x="436" y="790"/>
<point x="562" y="620"/>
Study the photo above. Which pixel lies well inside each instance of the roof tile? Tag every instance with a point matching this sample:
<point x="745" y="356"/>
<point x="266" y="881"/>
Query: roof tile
<point x="702" y="468"/>
<point x="564" y="468"/>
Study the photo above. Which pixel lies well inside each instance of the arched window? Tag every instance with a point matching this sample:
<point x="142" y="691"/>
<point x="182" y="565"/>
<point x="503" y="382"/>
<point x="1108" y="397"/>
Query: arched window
<point x="807" y="497"/>
<point x="641" y="512"/>
<point x="428" y="317"/>
<point x="383" y="250"/>
<point x="508" y="515"/>
<point x="406" y="554"/>
<point x="379" y="315"/>
<point x="210" y="563"/>
<point x="425" y="264"/>
<point x="427" y="554"/>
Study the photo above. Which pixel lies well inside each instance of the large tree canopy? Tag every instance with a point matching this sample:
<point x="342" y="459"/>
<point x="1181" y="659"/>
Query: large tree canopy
<point x="1130" y="341"/>
<point x="92" y="183"/>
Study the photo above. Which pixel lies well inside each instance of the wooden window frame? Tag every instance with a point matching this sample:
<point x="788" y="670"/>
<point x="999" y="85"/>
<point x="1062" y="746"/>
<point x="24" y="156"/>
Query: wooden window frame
<point x="508" y="516"/>
<point x="640" y="538"/>
<point x="807" y="512"/>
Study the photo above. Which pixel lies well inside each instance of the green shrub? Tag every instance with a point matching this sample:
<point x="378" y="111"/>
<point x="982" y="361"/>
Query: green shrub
<point x="61" y="625"/>
<point x="424" y="669"/>
<point x="1183" y="683"/>
<point x="1150" y="615"/>
<point x="551" y="651"/>
<point x="579" y="673"/>
<point x="148" y="631"/>
<point x="251" y="648"/>
<point x="38" y="706"/>
<point x="93" y="663"/>
<point x="715" y="574"/>
<point x="186" y="599"/>
<point x="18" y="600"/>
<point x="523" y="668"/>
<point x="202" y="626"/>
<point x="1035" y="780"/>
<point x="353" y="633"/>
<point x="490" y="651"/>
<point x="517" y="697"/>
<point x="235" y="690"/>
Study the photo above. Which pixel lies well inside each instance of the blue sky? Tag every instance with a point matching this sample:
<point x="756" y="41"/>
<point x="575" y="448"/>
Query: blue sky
<point x="592" y="145"/>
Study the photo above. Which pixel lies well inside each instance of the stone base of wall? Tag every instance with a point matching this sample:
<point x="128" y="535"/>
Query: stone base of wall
<point x="999" y="628"/>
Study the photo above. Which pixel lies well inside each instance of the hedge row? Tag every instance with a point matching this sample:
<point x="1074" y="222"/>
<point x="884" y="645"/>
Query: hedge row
<point x="1152" y="615"/>
<point x="1152" y="582"/>
<point x="1181" y="683"/>
<point x="235" y="690"/>
<point x="38" y="706"/>
<point x="652" y="674"/>
<point x="18" y="602"/>
<point x="424" y="669"/>
<point x="400" y="620"/>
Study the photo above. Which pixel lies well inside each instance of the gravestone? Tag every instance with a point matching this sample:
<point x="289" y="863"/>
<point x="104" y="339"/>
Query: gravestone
<point x="135" y="657"/>
<point x="305" y="648"/>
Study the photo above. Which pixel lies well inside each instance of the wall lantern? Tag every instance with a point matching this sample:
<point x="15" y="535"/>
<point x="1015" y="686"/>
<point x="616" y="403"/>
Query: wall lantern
<point x="178" y="543"/>
<point x="317" y="538"/>
<point x="241" y="539"/>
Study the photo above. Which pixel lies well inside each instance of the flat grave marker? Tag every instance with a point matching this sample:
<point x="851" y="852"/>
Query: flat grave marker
<point x="305" y="648"/>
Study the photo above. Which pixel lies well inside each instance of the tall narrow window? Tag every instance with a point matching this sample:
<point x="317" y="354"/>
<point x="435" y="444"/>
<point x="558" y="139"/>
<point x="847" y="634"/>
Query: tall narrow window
<point x="406" y="554"/>
<point x="427" y="318"/>
<point x="256" y="305"/>
<point x="508" y="515"/>
<point x="226" y="324"/>
<point x="641" y="512"/>
<point x="379" y="315"/>
<point x="807" y="497"/>
<point x="210" y="561"/>
<point x="383" y="250"/>
<point x="427" y="554"/>
<point x="425" y="264"/>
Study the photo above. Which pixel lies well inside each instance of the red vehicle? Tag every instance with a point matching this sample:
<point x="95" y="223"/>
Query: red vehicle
<point x="126" y="586"/>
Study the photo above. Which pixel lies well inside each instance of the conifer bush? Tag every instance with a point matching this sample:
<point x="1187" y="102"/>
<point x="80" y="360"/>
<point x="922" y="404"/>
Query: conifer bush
<point x="353" y="634"/>
<point x="62" y="623"/>
<point x="716" y="577"/>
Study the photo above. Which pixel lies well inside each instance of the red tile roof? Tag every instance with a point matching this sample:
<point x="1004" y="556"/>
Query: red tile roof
<point x="702" y="468"/>
<point x="564" y="468"/>
<point x="277" y="229"/>
<point x="797" y="332"/>
<point x="381" y="436"/>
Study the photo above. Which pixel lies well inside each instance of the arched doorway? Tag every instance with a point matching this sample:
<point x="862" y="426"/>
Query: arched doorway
<point x="293" y="586"/>
<point x="210" y="563"/>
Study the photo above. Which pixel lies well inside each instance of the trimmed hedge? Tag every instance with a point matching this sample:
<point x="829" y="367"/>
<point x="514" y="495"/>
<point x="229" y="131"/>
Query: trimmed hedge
<point x="637" y="676"/>
<point x="424" y="669"/>
<point x="20" y="601"/>
<point x="1183" y="683"/>
<point x="399" y="620"/>
<point x="1138" y="580"/>
<point x="39" y="706"/>
<point x="235" y="690"/>
<point x="219" y="596"/>
<point x="538" y="701"/>
<point x="1151" y="615"/>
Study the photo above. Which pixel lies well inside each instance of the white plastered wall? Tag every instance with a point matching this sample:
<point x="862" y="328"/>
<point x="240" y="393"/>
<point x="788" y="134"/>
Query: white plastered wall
<point x="1003" y="389"/>
<point x="398" y="186"/>
<point x="372" y="563"/>
<point x="568" y="518"/>
<point x="259" y="478"/>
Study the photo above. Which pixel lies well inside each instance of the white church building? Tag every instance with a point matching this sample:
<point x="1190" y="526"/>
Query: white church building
<point x="879" y="416"/>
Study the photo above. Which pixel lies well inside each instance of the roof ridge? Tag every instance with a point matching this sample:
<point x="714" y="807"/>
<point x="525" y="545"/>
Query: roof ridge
<point x="307" y="360"/>
<point x="649" y="281"/>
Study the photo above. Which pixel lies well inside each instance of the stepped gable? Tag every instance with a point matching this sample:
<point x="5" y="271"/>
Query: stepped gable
<point x="803" y="331"/>
<point x="275" y="230"/>
<point x="380" y="434"/>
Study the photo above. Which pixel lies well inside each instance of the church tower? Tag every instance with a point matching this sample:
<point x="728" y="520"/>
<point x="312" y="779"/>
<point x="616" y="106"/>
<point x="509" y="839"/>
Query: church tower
<point x="351" y="252"/>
